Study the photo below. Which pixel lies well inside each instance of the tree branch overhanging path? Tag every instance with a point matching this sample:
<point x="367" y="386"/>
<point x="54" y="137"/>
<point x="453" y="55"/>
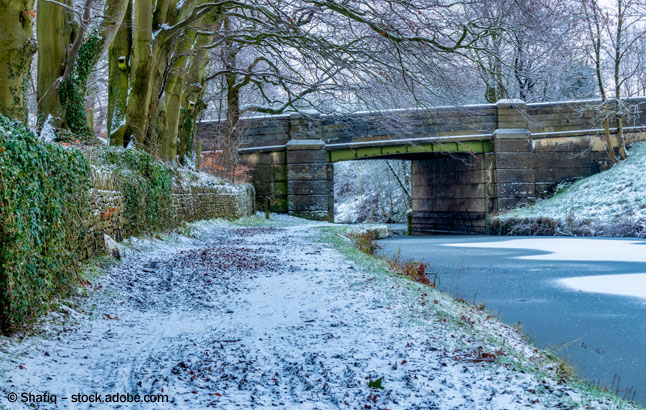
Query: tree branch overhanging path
<point x="171" y="62"/>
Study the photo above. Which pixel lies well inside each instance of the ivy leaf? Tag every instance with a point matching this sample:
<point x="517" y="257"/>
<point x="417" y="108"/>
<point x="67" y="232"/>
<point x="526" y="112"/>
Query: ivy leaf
<point x="376" y="384"/>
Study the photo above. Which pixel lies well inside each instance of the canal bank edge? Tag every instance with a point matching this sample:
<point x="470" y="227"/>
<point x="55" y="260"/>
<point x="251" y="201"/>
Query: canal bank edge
<point x="467" y="331"/>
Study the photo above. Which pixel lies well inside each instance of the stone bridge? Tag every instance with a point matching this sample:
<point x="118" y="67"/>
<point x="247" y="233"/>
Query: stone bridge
<point x="468" y="162"/>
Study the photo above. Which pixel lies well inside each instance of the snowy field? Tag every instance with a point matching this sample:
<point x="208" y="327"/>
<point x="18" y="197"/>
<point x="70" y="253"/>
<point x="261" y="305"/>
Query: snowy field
<point x="241" y="317"/>
<point x="611" y="203"/>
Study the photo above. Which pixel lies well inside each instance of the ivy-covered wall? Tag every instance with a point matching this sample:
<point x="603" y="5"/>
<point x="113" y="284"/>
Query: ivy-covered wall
<point x="44" y="190"/>
<point x="111" y="214"/>
<point x="57" y="203"/>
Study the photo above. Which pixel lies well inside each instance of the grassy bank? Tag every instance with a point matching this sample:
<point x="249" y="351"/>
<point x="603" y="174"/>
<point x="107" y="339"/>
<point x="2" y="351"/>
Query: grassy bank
<point x="471" y="333"/>
<point x="611" y="203"/>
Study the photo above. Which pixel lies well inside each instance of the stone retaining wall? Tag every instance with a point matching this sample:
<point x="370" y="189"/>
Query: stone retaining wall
<point x="190" y="203"/>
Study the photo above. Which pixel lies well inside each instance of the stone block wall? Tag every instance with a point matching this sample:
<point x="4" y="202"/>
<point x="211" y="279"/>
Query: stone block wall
<point x="568" y="142"/>
<point x="557" y="160"/>
<point x="196" y="203"/>
<point x="190" y="203"/>
<point x="107" y="218"/>
<point x="268" y="173"/>
<point x="452" y="193"/>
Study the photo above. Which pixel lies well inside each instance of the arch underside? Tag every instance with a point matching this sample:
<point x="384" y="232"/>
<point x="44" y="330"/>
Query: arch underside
<point x="404" y="151"/>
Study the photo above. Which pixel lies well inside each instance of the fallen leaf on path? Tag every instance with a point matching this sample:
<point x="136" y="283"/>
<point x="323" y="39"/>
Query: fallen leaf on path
<point x="376" y="384"/>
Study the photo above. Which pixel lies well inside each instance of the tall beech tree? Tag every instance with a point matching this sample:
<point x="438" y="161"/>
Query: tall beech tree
<point x="118" y="79"/>
<point x="17" y="47"/>
<point x="55" y="32"/>
<point x="89" y="44"/>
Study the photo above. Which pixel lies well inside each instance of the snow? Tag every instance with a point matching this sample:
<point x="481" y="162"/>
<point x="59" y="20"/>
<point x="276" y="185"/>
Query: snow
<point x="48" y="132"/>
<point x="600" y="202"/>
<point x="239" y="317"/>
<point x="583" y="249"/>
<point x="187" y="178"/>
<point x="366" y="190"/>
<point x="633" y="284"/>
<point x="571" y="249"/>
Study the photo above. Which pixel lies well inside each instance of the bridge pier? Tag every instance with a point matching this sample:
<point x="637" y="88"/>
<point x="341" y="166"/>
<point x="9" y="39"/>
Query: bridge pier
<point x="456" y="193"/>
<point x="452" y="193"/>
<point x="310" y="180"/>
<point x="513" y="156"/>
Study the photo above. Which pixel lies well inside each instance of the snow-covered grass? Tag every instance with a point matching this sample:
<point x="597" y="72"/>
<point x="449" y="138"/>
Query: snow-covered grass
<point x="479" y="331"/>
<point x="380" y="231"/>
<point x="611" y="203"/>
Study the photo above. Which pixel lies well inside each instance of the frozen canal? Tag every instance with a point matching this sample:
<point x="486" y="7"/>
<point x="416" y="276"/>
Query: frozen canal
<point x="584" y="297"/>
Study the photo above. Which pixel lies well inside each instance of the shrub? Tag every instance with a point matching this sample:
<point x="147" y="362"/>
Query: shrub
<point x="365" y="241"/>
<point x="43" y="206"/>
<point x="416" y="271"/>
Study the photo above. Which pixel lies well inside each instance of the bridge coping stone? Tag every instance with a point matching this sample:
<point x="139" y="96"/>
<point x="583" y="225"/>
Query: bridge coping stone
<point x="510" y="103"/>
<point x="512" y="133"/>
<point x="301" y="144"/>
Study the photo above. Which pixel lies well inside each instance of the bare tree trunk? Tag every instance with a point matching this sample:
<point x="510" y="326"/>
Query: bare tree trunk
<point x="194" y="87"/>
<point x="56" y="30"/>
<point x="618" y="57"/>
<point x="610" y="147"/>
<point x="231" y="136"/>
<point x="118" y="61"/>
<point x="160" y="130"/>
<point x="140" y="74"/>
<point x="160" y="67"/>
<point x="399" y="181"/>
<point x="173" y="110"/>
<point x="16" y="50"/>
<point x="173" y="94"/>
<point x="593" y="21"/>
<point x="620" y="136"/>
<point x="114" y="12"/>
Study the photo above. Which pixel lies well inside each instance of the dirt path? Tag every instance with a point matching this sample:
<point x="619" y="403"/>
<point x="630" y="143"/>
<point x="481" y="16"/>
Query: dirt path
<point x="239" y="318"/>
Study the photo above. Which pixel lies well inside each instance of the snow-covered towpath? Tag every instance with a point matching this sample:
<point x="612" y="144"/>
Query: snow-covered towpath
<point x="257" y="317"/>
